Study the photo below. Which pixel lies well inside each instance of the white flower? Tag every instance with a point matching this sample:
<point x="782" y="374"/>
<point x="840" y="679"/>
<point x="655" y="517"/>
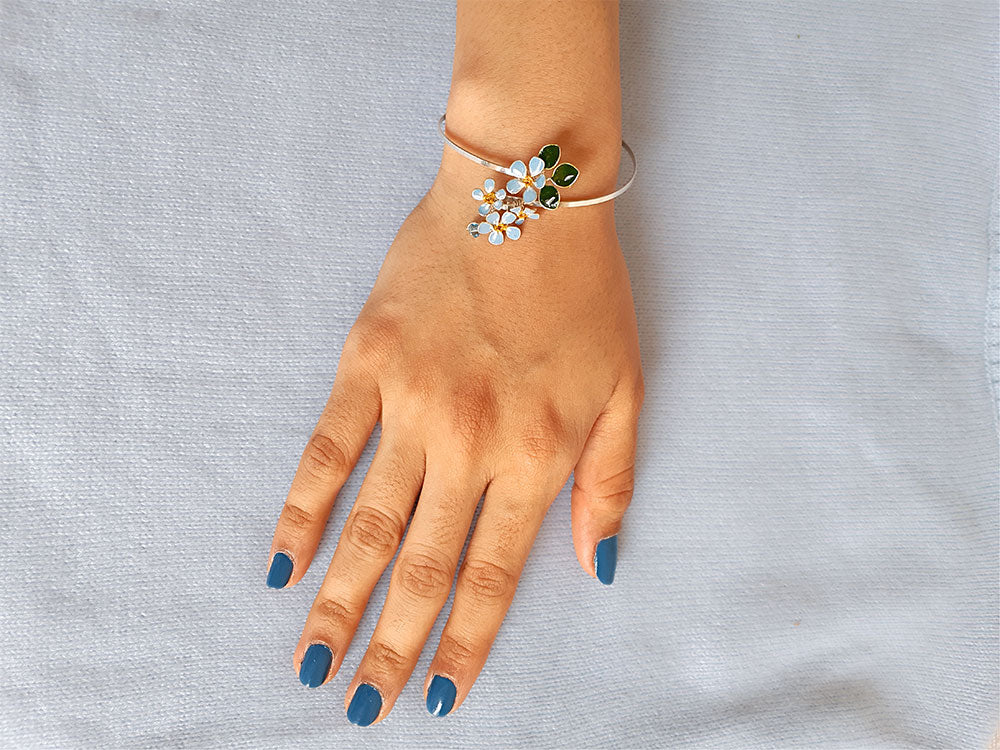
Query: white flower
<point x="496" y="226"/>
<point x="524" y="212"/>
<point x="528" y="178"/>
<point x="489" y="198"/>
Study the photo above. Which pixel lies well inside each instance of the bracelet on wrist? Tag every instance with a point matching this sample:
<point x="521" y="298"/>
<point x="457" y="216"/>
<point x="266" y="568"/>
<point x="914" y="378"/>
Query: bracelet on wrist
<point x="502" y="211"/>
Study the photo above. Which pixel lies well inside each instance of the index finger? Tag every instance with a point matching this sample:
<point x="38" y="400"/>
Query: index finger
<point x="327" y="461"/>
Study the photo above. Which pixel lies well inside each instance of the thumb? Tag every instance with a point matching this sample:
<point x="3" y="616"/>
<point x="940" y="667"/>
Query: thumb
<point x="602" y="484"/>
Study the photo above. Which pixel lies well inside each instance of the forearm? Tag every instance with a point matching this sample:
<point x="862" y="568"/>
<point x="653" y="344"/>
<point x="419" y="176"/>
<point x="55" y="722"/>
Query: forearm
<point x="526" y="74"/>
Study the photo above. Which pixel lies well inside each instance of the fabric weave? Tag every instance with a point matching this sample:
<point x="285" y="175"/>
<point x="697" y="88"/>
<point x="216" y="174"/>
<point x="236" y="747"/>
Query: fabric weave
<point x="194" y="202"/>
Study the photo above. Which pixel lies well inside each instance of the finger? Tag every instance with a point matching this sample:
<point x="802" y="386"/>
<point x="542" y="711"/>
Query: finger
<point x="329" y="457"/>
<point x="602" y="486"/>
<point x="367" y="543"/>
<point x="501" y="541"/>
<point x="420" y="584"/>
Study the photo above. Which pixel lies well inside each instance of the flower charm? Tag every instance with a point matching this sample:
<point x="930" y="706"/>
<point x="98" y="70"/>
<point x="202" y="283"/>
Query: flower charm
<point x="506" y="210"/>
<point x="528" y="178"/>
<point x="488" y="197"/>
<point x="496" y="226"/>
<point x="522" y="213"/>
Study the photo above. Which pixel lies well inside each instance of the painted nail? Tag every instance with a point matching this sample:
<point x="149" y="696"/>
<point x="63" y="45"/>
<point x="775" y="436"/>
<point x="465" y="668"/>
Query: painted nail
<point x="315" y="665"/>
<point x="440" y="696"/>
<point x="605" y="559"/>
<point x="280" y="571"/>
<point x="365" y="705"/>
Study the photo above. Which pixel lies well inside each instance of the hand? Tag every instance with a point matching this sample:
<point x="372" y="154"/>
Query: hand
<point x="491" y="369"/>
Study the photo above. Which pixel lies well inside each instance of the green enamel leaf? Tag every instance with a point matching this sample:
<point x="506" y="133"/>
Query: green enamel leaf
<point x="548" y="196"/>
<point x="565" y="174"/>
<point x="550" y="155"/>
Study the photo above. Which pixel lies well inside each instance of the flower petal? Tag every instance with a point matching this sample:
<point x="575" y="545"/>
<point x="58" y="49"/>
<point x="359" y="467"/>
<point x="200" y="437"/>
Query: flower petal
<point x="501" y="194"/>
<point x="514" y="186"/>
<point x="519" y="222"/>
<point x="508" y="217"/>
<point x="489" y="185"/>
<point x="530" y="195"/>
<point x="535" y="165"/>
<point x="478" y="194"/>
<point x="485" y="228"/>
<point x="533" y="215"/>
<point x="497" y="205"/>
<point x="496" y="238"/>
<point x="513" y="233"/>
<point x="540" y="181"/>
<point x="518" y="169"/>
<point x="493" y="218"/>
<point x="484" y="209"/>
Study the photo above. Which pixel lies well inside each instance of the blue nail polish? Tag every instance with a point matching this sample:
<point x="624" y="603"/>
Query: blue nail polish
<point x="365" y="705"/>
<point x="440" y="696"/>
<point x="280" y="571"/>
<point x="315" y="665"/>
<point x="605" y="559"/>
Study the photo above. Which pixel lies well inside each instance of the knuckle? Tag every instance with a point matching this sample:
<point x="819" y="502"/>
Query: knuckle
<point x="613" y="491"/>
<point x="541" y="448"/>
<point x="456" y="651"/>
<point x="425" y="576"/>
<point x="474" y="410"/>
<point x="487" y="581"/>
<point x="617" y="501"/>
<point x="373" y="533"/>
<point x="419" y="383"/>
<point x="334" y="615"/>
<point x="384" y="658"/>
<point x="325" y="457"/>
<point x="297" y="519"/>
<point x="543" y="443"/>
<point x="375" y="337"/>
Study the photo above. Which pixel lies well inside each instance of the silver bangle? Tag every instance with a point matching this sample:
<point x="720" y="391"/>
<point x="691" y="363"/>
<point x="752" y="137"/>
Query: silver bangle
<point x="503" y="211"/>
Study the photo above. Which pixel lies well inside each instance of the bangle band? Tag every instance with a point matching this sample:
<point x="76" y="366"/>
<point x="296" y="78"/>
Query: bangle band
<point x="503" y="211"/>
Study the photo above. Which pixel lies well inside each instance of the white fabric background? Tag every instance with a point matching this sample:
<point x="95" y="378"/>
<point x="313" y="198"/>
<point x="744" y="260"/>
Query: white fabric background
<point x="194" y="201"/>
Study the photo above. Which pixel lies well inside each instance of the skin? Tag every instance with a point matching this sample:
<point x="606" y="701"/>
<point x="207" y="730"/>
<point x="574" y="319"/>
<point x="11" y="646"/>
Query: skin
<point x="493" y="370"/>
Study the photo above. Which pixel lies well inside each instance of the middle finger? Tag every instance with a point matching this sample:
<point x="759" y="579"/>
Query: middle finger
<point x="367" y="543"/>
<point x="420" y="584"/>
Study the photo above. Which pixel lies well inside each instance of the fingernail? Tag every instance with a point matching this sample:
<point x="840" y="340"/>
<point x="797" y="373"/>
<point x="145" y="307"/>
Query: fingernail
<point x="280" y="571"/>
<point x="315" y="665"/>
<point x="365" y="705"/>
<point x="605" y="559"/>
<point x="440" y="696"/>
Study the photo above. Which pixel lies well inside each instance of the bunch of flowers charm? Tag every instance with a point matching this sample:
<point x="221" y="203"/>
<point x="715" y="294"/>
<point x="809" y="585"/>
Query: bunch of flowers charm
<point x="502" y="212"/>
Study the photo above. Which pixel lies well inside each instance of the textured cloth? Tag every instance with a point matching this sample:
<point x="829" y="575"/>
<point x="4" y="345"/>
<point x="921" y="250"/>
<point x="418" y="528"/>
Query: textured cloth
<point x="194" y="201"/>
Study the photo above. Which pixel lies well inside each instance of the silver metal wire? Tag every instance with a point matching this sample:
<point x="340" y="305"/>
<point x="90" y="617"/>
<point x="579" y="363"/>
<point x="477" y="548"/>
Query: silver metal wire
<point x="562" y="204"/>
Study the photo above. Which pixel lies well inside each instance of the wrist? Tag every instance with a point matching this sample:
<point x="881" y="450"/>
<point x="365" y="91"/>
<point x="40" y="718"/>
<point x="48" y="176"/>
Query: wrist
<point x="555" y="243"/>
<point x="587" y="129"/>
